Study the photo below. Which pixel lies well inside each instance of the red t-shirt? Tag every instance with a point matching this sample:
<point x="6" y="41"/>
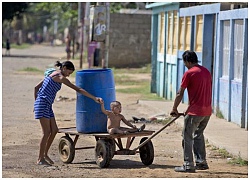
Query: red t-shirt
<point x="198" y="82"/>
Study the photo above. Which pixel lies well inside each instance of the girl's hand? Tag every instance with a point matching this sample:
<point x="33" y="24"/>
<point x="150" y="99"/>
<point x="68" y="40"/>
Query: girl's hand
<point x="98" y="100"/>
<point x="101" y="101"/>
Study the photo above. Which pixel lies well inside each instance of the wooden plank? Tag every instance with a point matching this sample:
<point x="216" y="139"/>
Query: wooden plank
<point x="128" y="143"/>
<point x="72" y="131"/>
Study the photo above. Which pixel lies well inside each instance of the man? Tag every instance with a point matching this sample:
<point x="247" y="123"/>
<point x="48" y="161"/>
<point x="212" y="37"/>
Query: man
<point x="198" y="81"/>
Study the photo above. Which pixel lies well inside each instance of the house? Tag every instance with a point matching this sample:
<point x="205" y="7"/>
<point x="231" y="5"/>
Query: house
<point x="218" y="33"/>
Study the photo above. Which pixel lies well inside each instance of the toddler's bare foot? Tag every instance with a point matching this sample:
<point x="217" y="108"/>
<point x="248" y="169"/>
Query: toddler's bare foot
<point x="48" y="159"/>
<point x="43" y="162"/>
<point x="142" y="128"/>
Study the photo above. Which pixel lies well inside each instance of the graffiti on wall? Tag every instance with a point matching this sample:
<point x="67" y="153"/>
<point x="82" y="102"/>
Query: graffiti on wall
<point x="99" y="23"/>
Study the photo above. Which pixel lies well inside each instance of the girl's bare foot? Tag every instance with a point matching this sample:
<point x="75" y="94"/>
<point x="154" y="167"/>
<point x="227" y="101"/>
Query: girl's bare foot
<point x="48" y="159"/>
<point x="43" y="162"/>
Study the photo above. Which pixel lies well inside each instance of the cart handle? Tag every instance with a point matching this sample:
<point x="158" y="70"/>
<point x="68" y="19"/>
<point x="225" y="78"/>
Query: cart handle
<point x="170" y="122"/>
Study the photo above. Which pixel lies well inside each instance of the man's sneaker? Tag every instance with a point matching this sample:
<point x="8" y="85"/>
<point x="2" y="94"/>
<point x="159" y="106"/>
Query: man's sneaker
<point x="201" y="166"/>
<point x="141" y="128"/>
<point x="184" y="169"/>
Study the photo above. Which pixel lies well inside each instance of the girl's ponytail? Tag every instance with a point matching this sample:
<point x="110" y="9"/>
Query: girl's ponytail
<point x="58" y="64"/>
<point x="68" y="64"/>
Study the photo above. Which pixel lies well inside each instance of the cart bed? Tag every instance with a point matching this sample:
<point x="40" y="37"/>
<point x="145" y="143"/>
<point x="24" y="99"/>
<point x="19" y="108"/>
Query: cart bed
<point x="73" y="131"/>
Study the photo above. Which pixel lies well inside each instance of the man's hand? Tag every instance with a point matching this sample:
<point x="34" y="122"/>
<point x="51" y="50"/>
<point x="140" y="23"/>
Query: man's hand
<point x="174" y="113"/>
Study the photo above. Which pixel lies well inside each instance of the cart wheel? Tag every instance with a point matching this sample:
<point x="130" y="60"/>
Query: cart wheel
<point x="147" y="152"/>
<point x="102" y="153"/>
<point x="66" y="149"/>
<point x="112" y="146"/>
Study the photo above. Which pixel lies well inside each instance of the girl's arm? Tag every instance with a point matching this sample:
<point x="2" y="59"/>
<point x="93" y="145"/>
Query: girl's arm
<point x="128" y="123"/>
<point x="78" y="89"/>
<point x="37" y="87"/>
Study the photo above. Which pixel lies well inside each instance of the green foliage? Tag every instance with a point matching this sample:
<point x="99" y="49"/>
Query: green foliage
<point x="43" y="14"/>
<point x="115" y="7"/>
<point x="59" y="10"/>
<point x="13" y="9"/>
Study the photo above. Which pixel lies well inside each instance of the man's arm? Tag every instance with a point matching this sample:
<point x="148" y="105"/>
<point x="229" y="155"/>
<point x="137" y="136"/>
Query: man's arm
<point x="177" y="101"/>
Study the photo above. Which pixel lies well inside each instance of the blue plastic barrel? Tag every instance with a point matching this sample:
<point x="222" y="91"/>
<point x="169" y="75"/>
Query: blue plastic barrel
<point x="99" y="83"/>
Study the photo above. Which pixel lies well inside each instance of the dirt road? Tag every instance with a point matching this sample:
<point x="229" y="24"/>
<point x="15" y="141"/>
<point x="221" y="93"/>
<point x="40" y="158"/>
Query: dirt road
<point x="21" y="133"/>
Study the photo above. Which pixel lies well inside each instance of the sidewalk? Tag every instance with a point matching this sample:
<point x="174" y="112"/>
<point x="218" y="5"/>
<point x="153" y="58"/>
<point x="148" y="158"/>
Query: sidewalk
<point x="219" y="132"/>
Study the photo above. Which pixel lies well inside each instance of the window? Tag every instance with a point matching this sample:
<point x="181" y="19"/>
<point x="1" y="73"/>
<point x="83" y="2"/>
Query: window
<point x="169" y="32"/>
<point x="161" y="34"/>
<point x="175" y="33"/>
<point x="187" y="35"/>
<point x="199" y="29"/>
<point x="181" y="33"/>
<point x="238" y="49"/>
<point x="226" y="46"/>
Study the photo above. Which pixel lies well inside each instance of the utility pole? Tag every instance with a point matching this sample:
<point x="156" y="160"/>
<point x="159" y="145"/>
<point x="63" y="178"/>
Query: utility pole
<point x="87" y="21"/>
<point x="107" y="35"/>
<point x="82" y="14"/>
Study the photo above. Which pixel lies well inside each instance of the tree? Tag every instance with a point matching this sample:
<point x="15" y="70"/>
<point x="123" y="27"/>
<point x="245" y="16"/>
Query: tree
<point x="13" y="9"/>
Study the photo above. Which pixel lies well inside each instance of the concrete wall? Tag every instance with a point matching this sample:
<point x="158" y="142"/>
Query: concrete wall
<point x="129" y="40"/>
<point x="230" y="89"/>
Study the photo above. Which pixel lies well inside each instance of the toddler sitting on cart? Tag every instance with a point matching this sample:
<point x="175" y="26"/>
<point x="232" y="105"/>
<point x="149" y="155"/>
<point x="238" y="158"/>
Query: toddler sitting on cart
<point x="115" y="117"/>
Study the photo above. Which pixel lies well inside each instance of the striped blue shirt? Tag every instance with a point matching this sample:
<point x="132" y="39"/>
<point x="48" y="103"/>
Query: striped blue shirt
<point x="49" y="89"/>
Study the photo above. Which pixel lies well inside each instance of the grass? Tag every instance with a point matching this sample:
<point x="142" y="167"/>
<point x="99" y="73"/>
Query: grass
<point x="136" y="86"/>
<point x="143" y="69"/>
<point x="121" y="78"/>
<point x="238" y="161"/>
<point x="223" y="153"/>
<point x="22" y="46"/>
<point x="219" y="113"/>
<point x="31" y="69"/>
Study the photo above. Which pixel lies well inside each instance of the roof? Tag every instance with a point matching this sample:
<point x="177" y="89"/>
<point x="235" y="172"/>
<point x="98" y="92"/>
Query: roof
<point x="152" y="5"/>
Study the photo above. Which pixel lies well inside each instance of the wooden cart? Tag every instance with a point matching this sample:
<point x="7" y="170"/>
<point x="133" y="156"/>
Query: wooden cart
<point x="106" y="144"/>
<point x="105" y="148"/>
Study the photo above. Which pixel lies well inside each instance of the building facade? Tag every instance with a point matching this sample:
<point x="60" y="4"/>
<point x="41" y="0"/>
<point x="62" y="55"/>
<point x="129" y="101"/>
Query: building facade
<point x="218" y="33"/>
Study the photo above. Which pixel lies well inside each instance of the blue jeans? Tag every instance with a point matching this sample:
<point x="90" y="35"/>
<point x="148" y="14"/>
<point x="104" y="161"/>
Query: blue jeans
<point x="193" y="139"/>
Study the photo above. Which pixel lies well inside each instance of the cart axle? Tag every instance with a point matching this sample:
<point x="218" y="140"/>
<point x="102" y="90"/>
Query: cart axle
<point x="125" y="152"/>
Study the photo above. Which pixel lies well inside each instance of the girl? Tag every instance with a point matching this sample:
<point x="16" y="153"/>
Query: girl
<point x="45" y="93"/>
